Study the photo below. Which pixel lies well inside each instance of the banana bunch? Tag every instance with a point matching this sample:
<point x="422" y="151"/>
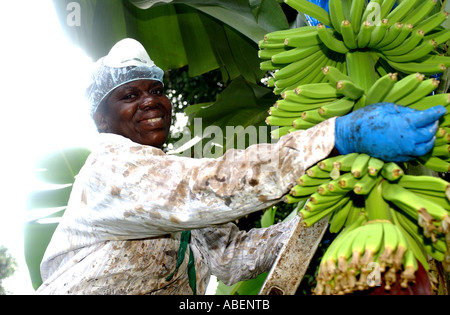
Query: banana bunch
<point x="362" y="248"/>
<point x="358" y="38"/>
<point x="309" y="104"/>
<point x="338" y="187"/>
<point x="398" y="219"/>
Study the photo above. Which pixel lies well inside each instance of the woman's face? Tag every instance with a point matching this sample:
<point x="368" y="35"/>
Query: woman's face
<point x="140" y="111"/>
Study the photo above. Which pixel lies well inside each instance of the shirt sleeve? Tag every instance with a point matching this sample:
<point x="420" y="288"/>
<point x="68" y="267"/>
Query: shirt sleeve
<point x="129" y="191"/>
<point x="234" y="255"/>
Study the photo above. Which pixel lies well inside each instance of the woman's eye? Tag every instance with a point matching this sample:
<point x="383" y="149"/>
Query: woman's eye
<point x="157" y="91"/>
<point x="129" y="97"/>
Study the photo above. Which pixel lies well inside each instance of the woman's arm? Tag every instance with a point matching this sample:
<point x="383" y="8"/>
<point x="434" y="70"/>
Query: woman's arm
<point x="132" y="191"/>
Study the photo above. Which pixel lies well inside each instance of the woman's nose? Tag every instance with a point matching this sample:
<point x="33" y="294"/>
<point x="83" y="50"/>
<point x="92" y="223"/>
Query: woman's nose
<point x="147" y="102"/>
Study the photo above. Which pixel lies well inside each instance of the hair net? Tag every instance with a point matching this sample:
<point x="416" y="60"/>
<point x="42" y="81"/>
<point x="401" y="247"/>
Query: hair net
<point x="126" y="62"/>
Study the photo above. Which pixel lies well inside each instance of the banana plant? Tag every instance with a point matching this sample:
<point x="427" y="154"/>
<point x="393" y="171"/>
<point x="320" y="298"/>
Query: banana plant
<point x="203" y="34"/>
<point x="57" y="171"/>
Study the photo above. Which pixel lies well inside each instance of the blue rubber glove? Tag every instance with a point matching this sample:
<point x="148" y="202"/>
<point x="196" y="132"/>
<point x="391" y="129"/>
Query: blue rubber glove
<point x="321" y="3"/>
<point x="387" y="131"/>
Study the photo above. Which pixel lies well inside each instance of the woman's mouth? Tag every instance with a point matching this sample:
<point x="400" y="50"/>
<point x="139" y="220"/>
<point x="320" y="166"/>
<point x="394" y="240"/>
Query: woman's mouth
<point x="154" y="120"/>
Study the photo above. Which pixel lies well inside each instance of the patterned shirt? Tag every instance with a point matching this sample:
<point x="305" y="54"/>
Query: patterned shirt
<point x="129" y="204"/>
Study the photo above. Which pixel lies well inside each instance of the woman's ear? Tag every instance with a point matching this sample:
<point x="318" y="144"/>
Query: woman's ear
<point x="100" y="121"/>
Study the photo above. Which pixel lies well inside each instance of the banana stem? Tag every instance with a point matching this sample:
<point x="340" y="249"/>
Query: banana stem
<point x="360" y="67"/>
<point x="377" y="208"/>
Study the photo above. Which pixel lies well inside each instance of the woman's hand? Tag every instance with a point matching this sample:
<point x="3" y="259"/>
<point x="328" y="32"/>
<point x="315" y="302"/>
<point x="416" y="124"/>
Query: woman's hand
<point x="388" y="131"/>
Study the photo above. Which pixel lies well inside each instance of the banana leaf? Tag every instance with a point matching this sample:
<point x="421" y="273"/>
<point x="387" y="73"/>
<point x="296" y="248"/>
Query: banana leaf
<point x="45" y="207"/>
<point x="241" y="105"/>
<point x="175" y="33"/>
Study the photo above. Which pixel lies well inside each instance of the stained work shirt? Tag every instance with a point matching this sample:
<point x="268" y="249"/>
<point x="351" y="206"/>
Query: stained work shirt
<point x="129" y="204"/>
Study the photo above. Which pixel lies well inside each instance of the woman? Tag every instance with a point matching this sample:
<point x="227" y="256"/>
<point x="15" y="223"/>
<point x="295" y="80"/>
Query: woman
<point x="126" y="228"/>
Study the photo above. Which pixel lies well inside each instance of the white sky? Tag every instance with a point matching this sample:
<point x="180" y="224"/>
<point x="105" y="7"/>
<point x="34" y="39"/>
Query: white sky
<point x="42" y="109"/>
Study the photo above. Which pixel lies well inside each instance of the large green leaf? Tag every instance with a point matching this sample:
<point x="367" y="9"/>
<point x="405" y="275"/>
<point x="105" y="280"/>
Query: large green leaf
<point x="176" y="33"/>
<point x="241" y="104"/>
<point x="45" y="207"/>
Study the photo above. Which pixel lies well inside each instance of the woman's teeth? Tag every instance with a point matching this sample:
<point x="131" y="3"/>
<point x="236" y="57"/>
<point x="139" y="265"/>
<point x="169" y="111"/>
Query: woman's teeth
<point x="152" y="120"/>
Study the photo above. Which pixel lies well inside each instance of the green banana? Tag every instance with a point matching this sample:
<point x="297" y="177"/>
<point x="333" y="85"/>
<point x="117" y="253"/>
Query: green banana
<point x="316" y="172"/>
<point x="347" y="35"/>
<point x="432" y="22"/>
<point x="296" y="54"/>
<point x="423" y="89"/>
<point x="318" y="91"/>
<point x="374" y="166"/>
<point x="442" y="151"/>
<point x="347" y="181"/>
<point x="381" y="88"/>
<point x="436" y="197"/>
<point x="349" y="89"/>
<point x="339" y="218"/>
<point x="280" y="35"/>
<point x="378" y="33"/>
<point x="346" y="161"/>
<point x="400" y="39"/>
<point x="360" y="164"/>
<point x="317" y="199"/>
<point x="427" y="211"/>
<point x="418" y="242"/>
<point x="313" y="116"/>
<point x="302" y="191"/>
<point x="356" y="12"/>
<point x="292" y="96"/>
<point x="430" y="101"/>
<point x="336" y="14"/>
<point x="279" y="121"/>
<point x="334" y="75"/>
<point x="329" y="39"/>
<point x="365" y="34"/>
<point x="410" y="267"/>
<point x="407" y="46"/>
<point x="262" y="44"/>
<point x="300" y="123"/>
<point x="274" y="111"/>
<point x="417" y="53"/>
<point x="440" y="37"/>
<point x="338" y="108"/>
<point x="424" y="182"/>
<point x="294" y="75"/>
<point x="355" y="213"/>
<point x="377" y="208"/>
<point x="303" y="40"/>
<point x="411" y="67"/>
<point x="386" y="8"/>
<point x="391" y="171"/>
<point x="292" y="106"/>
<point x="400" y="11"/>
<point x="403" y="87"/>
<point x="419" y="12"/>
<point x="297" y="66"/>
<point x="306" y="180"/>
<point x="435" y="163"/>
<point x="365" y="185"/>
<point x="374" y="241"/>
<point x="289" y="199"/>
<point x="310" y="9"/>
<point x="279" y="132"/>
<point x="391" y="34"/>
<point x="390" y="245"/>
<point x="318" y="213"/>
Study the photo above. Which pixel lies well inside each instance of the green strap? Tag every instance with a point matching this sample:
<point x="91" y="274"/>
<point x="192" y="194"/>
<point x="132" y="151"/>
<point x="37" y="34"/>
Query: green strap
<point x="184" y="242"/>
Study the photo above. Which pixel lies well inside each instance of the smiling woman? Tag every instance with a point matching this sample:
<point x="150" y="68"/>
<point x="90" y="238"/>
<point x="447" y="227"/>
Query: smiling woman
<point x="139" y="111"/>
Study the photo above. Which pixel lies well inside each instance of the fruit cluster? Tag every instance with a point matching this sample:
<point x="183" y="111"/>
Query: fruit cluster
<point x="359" y="54"/>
